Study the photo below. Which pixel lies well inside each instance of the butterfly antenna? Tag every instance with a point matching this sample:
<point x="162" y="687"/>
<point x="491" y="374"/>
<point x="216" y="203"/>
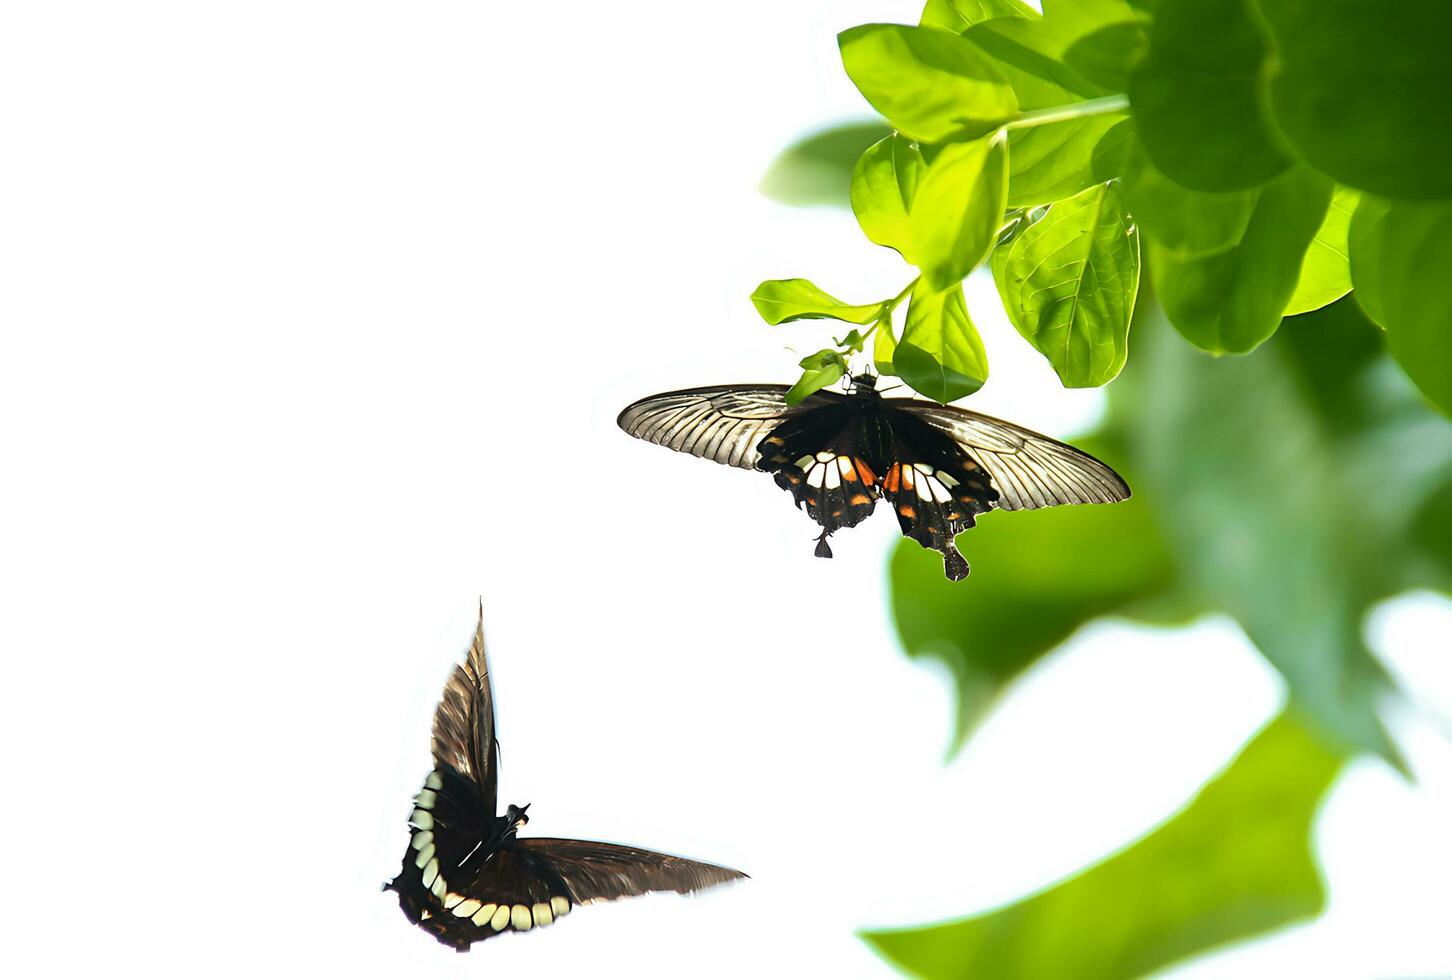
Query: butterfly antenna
<point x="883" y="391"/>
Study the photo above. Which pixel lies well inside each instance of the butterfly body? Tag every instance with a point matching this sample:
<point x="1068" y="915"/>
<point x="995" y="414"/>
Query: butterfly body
<point x="937" y="466"/>
<point x="468" y="876"/>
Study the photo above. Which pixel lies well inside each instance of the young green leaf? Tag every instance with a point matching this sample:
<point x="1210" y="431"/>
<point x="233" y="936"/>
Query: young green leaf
<point x="784" y="300"/>
<point x="959" y="15"/>
<point x="1403" y="259"/>
<point x="958" y="209"/>
<point x="940" y="354"/>
<point x="1069" y="283"/>
<point x="1107" y="55"/>
<point x="884" y="346"/>
<point x="1020" y="49"/>
<point x="821" y="369"/>
<point x="884" y="183"/>
<point x="1232" y="301"/>
<point x="1185" y="222"/>
<point x="1236" y="861"/>
<point x="1197" y="97"/>
<point x="1326" y="271"/>
<point x="929" y="83"/>
<point x="1361" y="91"/>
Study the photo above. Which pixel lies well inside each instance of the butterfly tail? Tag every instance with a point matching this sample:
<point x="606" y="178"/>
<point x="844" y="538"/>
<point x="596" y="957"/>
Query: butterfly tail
<point x="824" y="550"/>
<point x="955" y="566"/>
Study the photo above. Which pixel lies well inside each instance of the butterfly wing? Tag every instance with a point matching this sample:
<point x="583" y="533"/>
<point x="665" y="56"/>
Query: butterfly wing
<point x="530" y="883"/>
<point x="724" y="423"/>
<point x="1028" y="470"/>
<point x="464" y="739"/>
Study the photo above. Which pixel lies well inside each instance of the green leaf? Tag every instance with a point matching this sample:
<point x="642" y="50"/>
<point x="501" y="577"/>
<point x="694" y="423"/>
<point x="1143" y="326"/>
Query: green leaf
<point x="1326" y="271"/>
<point x="1107" y="56"/>
<point x="941" y="354"/>
<point x="958" y="209"/>
<point x="1038" y="576"/>
<point x="1020" y="49"/>
<point x="1188" y="223"/>
<point x="1197" y="97"/>
<point x="931" y="84"/>
<point x="1235" y="862"/>
<point x="1232" y="301"/>
<point x="959" y="15"/>
<point x="1068" y="284"/>
<point x="1361" y="91"/>
<point x="884" y="347"/>
<point x="884" y="183"/>
<point x="784" y="300"/>
<point x="1256" y="464"/>
<point x="1052" y="162"/>
<point x="820" y="370"/>
<point x="1402" y="259"/>
<point x="817" y="169"/>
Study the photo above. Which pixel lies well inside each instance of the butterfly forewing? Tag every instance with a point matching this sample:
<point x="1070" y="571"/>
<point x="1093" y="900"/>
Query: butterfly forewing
<point x="723" y="423"/>
<point x="464" y="739"/>
<point x="595" y="871"/>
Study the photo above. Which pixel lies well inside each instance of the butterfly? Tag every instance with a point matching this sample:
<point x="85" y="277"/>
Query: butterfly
<point x="938" y="466"/>
<point x="467" y="876"/>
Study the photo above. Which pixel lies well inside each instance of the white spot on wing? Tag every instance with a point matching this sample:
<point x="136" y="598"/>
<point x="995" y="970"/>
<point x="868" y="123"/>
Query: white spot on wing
<point x="834" y="478"/>
<point x="818" y="474"/>
<point x="486" y="912"/>
<point x="426" y="798"/>
<point x="940" y="492"/>
<point x="424" y="856"/>
<point x="467" y="908"/>
<point x="422" y="838"/>
<point x="435" y="781"/>
<point x="519" y="918"/>
<point x="542" y="914"/>
<point x="559" y="905"/>
<point x="422" y="819"/>
<point x="824" y="456"/>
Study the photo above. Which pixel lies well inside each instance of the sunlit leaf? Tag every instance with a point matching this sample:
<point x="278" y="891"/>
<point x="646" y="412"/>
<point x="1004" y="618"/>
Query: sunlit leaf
<point x="1186" y="222"/>
<point x="818" y="371"/>
<point x="1197" y="97"/>
<point x="959" y="204"/>
<point x="940" y="354"/>
<point x="1326" y="270"/>
<point x="929" y="83"/>
<point x="1037" y="577"/>
<point x="884" y="183"/>
<point x="1231" y="301"/>
<point x="1235" y="862"/>
<point x="1022" y="50"/>
<point x="1050" y="163"/>
<point x="1403" y="259"/>
<point x="784" y="300"/>
<point x="817" y="169"/>
<point x="1069" y="283"/>
<point x="884" y="346"/>
<point x="959" y="15"/>
<point x="1106" y="56"/>
<point x="1361" y="91"/>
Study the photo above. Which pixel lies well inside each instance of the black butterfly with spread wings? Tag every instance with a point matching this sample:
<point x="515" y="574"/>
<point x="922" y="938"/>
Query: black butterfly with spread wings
<point x="937" y="465"/>
<point x="467" y="877"/>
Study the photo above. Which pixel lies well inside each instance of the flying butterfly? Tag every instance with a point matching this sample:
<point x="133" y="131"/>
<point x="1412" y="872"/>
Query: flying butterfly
<point x="467" y="876"/>
<point x="938" y="466"/>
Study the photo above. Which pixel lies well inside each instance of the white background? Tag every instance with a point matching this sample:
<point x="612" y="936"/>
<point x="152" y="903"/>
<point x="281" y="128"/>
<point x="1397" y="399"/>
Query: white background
<point x="317" y="317"/>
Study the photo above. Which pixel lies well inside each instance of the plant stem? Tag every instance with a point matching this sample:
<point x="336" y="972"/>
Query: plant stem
<point x="1076" y="110"/>
<point x="906" y="291"/>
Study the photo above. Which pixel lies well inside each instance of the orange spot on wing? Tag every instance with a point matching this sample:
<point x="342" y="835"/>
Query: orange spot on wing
<point x="860" y="499"/>
<point x="907" y="511"/>
<point x="867" y="475"/>
<point x="890" y="482"/>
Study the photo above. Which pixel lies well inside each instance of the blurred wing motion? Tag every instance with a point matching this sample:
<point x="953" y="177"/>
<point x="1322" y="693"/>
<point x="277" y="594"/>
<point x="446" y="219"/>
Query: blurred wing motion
<point x="464" y="738"/>
<point x="723" y="423"/>
<point x="595" y="872"/>
<point x="1028" y="470"/>
<point x="466" y="877"/>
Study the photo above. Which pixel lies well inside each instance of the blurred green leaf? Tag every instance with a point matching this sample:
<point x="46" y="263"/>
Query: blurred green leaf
<point x="940" y="354"/>
<point x="1232" y="301"/>
<point x="1186" y="222"/>
<point x="1235" y="862"/>
<point x="1107" y="56"/>
<point x="884" y="182"/>
<point x="1326" y="270"/>
<point x="959" y="15"/>
<point x="958" y="208"/>
<point x="929" y="83"/>
<point x="1263" y="495"/>
<point x="1038" y="576"/>
<point x="1069" y="282"/>
<point x="1361" y="91"/>
<point x="784" y="300"/>
<point x="821" y="369"/>
<point x="1197" y="97"/>
<point x="1359" y="242"/>
<point x="817" y="169"/>
<point x="1026" y="54"/>
<point x="1402" y="258"/>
